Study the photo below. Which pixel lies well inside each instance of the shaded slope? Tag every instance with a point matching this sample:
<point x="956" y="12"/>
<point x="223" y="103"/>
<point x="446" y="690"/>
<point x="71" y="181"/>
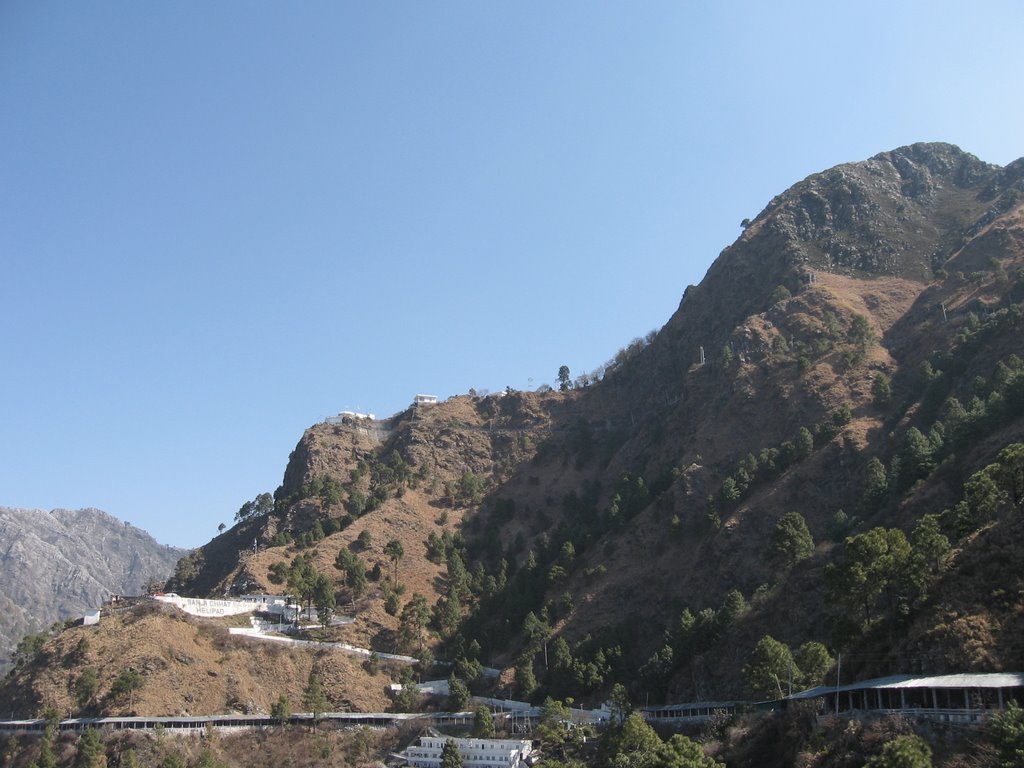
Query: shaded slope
<point x="861" y="240"/>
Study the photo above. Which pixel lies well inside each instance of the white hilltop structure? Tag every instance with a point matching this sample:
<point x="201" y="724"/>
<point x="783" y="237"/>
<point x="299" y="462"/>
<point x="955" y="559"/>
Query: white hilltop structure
<point x="275" y="605"/>
<point x="349" y="416"/>
<point x="199" y="606"/>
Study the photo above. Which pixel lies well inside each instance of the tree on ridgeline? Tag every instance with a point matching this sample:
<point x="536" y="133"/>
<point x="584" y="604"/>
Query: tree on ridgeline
<point x="263" y="504"/>
<point x="564" y="379"/>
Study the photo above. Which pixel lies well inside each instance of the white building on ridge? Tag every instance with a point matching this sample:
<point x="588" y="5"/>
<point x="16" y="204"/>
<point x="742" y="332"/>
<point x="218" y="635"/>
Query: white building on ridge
<point x="348" y="416"/>
<point x="197" y="606"/>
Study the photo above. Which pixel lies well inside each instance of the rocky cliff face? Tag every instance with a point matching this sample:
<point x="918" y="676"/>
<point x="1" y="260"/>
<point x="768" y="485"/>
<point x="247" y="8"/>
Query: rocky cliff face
<point x="900" y="215"/>
<point x="56" y="565"/>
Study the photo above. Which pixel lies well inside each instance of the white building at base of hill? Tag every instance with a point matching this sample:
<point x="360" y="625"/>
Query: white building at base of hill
<point x="476" y="753"/>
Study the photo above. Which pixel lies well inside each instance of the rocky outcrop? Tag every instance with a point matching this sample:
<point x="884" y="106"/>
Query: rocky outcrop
<point x="56" y="565"/>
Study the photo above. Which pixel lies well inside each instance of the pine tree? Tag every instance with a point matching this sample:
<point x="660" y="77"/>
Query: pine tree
<point x="804" y="443"/>
<point x="395" y="552"/>
<point x="85" y="687"/>
<point x="930" y="547"/>
<point x="770" y="667"/>
<point x="450" y="757"/>
<point x="414" y="620"/>
<point x="526" y="680"/>
<point x="564" y="379"/>
<point x="1007" y="731"/>
<point x="483" y="724"/>
<point x="46" y="757"/>
<point x="90" y="752"/>
<point x="876" y="484"/>
<point x="281" y="710"/>
<point x="908" y="751"/>
<point x="881" y="389"/>
<point x="128" y="682"/>
<point x="873" y="563"/>
<point x="791" y="540"/>
<point x="916" y="458"/>
<point x="813" y="660"/>
<point x="458" y="694"/>
<point x="314" y="697"/>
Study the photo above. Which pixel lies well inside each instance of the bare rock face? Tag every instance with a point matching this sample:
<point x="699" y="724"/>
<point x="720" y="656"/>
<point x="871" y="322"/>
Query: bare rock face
<point x="900" y="214"/>
<point x="57" y="565"/>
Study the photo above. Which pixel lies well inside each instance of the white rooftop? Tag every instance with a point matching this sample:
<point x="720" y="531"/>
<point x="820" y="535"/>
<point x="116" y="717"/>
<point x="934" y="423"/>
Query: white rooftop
<point x="978" y="680"/>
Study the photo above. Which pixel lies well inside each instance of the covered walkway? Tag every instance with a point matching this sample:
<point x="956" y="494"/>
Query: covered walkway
<point x="965" y="698"/>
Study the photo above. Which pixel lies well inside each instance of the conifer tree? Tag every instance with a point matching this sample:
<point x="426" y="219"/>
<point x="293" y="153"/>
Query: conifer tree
<point x="876" y="484"/>
<point x="458" y="694"/>
<point x="791" y="540"/>
<point x="314" y="697"/>
<point x="907" y="751"/>
<point x="450" y="757"/>
<point x="90" y="752"/>
<point x="483" y="723"/>
<point x="770" y="667"/>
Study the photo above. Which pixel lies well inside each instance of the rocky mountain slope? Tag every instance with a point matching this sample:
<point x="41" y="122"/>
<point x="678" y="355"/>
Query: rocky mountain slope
<point x="817" y="449"/>
<point x="56" y="565"/>
<point x="865" y="273"/>
<point x="855" y="277"/>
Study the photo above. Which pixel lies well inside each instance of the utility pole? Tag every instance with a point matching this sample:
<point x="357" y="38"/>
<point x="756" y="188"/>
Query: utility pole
<point x="839" y="669"/>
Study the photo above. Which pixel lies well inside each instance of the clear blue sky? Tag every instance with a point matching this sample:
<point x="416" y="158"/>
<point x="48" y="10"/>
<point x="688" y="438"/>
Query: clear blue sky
<point x="221" y="222"/>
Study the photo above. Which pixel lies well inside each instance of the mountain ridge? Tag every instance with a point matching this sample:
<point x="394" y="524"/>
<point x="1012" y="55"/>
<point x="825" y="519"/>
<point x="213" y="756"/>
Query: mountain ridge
<point x="569" y="534"/>
<point x="867" y="240"/>
<point x="56" y="565"/>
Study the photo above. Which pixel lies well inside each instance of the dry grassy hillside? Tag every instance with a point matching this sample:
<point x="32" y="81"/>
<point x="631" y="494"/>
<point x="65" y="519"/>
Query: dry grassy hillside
<point x="484" y="438"/>
<point x="188" y="665"/>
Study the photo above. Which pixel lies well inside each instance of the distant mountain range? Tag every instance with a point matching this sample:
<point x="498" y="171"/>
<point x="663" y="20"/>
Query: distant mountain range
<point x="57" y="565"/>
